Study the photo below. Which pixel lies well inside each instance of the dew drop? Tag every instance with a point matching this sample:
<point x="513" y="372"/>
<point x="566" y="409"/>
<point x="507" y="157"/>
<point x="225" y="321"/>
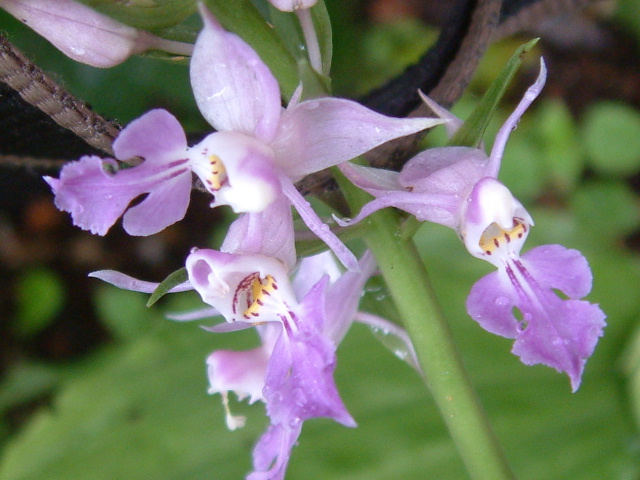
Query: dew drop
<point x="77" y="50"/>
<point x="502" y="301"/>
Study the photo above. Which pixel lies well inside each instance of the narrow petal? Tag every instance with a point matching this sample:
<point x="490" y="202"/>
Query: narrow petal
<point x="371" y="179"/>
<point x="432" y="185"/>
<point x="318" y="227"/>
<point x="317" y="134"/>
<point x="453" y="122"/>
<point x="503" y="134"/>
<point x="198" y="314"/>
<point x="233" y="88"/>
<point x="395" y="338"/>
<point x="126" y="282"/>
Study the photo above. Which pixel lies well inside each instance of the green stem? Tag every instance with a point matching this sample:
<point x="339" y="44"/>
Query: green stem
<point x="409" y="286"/>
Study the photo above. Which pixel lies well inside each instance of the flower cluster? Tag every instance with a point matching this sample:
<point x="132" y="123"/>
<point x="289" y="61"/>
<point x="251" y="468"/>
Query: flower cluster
<point x="252" y="159"/>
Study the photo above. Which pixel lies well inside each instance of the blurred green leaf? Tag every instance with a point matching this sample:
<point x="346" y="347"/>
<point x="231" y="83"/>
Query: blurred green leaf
<point x="381" y="52"/>
<point x="123" y="312"/>
<point x="25" y="382"/>
<point x="522" y="168"/>
<point x="40" y="295"/>
<point x="628" y="14"/>
<point x="560" y="149"/>
<point x="609" y="208"/>
<point x="610" y="135"/>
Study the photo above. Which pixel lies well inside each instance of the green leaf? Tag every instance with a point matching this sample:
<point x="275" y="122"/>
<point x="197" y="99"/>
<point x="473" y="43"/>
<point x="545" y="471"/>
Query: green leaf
<point x="176" y="278"/>
<point x="471" y="132"/>
<point x="145" y="14"/>
<point x="40" y="295"/>
<point x="322" y="24"/>
<point x="610" y="135"/>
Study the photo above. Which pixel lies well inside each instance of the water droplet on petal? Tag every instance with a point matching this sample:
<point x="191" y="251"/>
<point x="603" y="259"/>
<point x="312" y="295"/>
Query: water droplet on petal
<point x="77" y="50"/>
<point x="502" y="301"/>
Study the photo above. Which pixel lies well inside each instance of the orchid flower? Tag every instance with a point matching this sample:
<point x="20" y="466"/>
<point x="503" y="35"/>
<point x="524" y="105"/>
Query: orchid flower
<point x="458" y="187"/>
<point x="257" y="154"/>
<point x="85" y="35"/>
<point x="292" y="370"/>
<point x="300" y="323"/>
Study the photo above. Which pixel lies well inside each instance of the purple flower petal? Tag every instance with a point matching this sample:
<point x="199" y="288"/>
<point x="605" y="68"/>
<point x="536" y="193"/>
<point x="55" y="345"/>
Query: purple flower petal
<point x="240" y="372"/>
<point x="267" y="233"/>
<point x="156" y="136"/>
<point x="317" y="134"/>
<point x="445" y="170"/>
<point x="312" y="269"/>
<point x="198" y="314"/>
<point x="345" y="294"/>
<point x="548" y="330"/>
<point x="503" y="134"/>
<point x="96" y="198"/>
<point x="564" y="339"/>
<point x="573" y="279"/>
<point x="234" y="89"/>
<point x="299" y="383"/>
<point x="271" y="453"/>
<point x="166" y="204"/>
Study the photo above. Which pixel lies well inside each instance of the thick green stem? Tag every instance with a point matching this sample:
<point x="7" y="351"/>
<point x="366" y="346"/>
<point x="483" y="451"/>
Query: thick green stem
<point x="411" y="290"/>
